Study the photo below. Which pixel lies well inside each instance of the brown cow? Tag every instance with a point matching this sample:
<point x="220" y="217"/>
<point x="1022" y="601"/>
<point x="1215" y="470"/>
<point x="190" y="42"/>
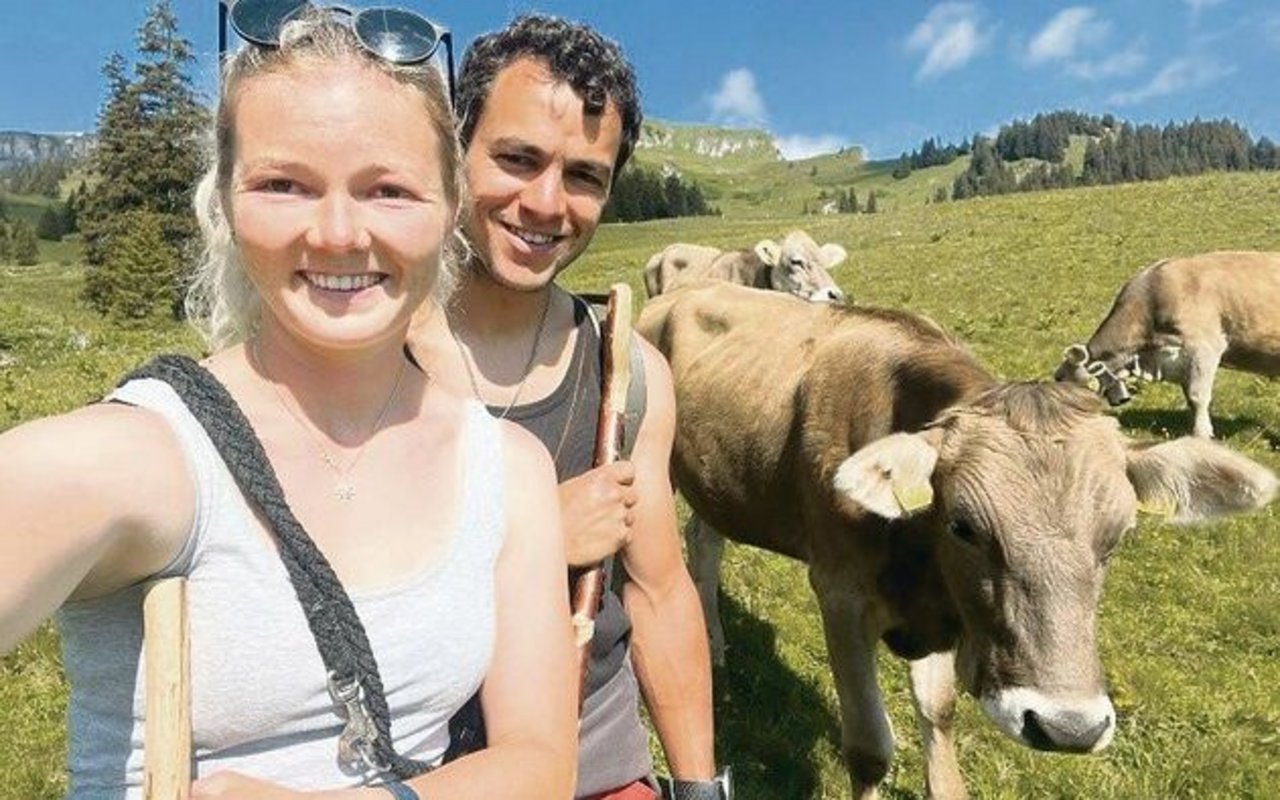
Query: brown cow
<point x="796" y="266"/>
<point x="963" y="521"/>
<point x="1177" y="320"/>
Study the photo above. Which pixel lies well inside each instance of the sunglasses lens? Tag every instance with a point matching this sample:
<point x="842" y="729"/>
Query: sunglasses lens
<point x="397" y="36"/>
<point x="259" y="21"/>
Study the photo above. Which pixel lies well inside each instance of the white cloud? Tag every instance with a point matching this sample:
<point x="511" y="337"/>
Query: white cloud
<point x="1126" y="62"/>
<point x="1071" y="29"/>
<point x="737" y="101"/>
<point x="949" y="36"/>
<point x="794" y="148"/>
<point x="1180" y="75"/>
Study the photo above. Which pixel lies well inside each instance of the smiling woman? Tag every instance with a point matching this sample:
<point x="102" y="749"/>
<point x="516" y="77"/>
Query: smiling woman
<point x="421" y="533"/>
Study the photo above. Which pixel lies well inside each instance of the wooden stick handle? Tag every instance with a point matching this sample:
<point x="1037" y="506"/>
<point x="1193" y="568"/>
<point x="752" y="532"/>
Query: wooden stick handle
<point x="167" y="767"/>
<point x="615" y="335"/>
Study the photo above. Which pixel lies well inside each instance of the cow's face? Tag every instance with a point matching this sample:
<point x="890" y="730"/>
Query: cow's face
<point x="799" y="266"/>
<point x="1032" y="489"/>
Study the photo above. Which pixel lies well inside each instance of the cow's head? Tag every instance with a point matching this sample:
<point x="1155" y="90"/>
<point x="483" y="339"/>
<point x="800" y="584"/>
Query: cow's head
<point x="1103" y="375"/>
<point x="1028" y="490"/>
<point x="800" y="267"/>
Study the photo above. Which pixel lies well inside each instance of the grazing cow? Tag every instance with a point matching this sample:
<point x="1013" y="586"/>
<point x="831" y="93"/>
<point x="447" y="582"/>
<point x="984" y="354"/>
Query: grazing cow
<point x="797" y="266"/>
<point x="963" y="521"/>
<point x="1177" y="320"/>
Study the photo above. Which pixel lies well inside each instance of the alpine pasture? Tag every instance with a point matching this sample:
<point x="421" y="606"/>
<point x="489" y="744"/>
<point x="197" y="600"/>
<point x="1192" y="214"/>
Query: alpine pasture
<point x="1191" y="616"/>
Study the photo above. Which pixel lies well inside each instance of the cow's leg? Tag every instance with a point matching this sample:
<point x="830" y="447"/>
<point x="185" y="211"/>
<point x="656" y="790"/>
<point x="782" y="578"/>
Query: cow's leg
<point x="933" y="687"/>
<point x="706" y="551"/>
<point x="866" y="736"/>
<point x="1197" y="385"/>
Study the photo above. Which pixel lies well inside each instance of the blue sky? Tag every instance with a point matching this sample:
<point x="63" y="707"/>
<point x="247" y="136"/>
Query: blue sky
<point x="818" y="74"/>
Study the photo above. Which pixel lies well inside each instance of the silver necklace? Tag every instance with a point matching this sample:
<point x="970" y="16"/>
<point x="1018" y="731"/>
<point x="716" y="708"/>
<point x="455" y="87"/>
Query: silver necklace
<point x="528" y="365"/>
<point x="343" y="489"/>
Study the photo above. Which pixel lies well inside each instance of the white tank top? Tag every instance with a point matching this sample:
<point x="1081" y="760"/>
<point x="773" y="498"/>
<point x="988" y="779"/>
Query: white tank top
<point x="260" y="703"/>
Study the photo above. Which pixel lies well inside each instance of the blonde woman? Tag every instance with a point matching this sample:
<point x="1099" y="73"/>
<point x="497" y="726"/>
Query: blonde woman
<point x="329" y="215"/>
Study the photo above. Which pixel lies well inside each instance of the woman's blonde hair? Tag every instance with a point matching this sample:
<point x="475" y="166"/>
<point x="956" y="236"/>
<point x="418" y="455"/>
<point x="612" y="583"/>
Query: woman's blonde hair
<point x="221" y="301"/>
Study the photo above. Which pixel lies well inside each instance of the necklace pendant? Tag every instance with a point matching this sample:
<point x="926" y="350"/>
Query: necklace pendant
<point x="344" y="491"/>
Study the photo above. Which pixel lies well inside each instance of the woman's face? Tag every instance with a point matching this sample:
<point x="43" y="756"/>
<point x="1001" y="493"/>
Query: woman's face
<point x="337" y="201"/>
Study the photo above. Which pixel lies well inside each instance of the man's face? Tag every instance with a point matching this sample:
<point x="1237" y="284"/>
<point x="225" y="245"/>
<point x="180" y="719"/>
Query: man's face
<point x="539" y="171"/>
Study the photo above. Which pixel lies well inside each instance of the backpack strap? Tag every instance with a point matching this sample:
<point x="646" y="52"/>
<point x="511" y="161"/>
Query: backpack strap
<point x="354" y="680"/>
<point x="637" y="393"/>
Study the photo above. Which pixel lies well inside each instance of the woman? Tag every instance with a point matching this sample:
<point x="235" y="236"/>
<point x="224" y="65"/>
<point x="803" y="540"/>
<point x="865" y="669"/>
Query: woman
<point x="328" y="216"/>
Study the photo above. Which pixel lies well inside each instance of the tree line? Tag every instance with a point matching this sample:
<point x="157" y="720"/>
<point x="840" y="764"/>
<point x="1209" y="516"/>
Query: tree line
<point x="1117" y="152"/>
<point x="640" y="194"/>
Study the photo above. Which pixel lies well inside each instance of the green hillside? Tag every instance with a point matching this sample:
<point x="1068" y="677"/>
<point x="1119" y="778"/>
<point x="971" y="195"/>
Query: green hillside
<point x="29" y="207"/>
<point x="751" y="180"/>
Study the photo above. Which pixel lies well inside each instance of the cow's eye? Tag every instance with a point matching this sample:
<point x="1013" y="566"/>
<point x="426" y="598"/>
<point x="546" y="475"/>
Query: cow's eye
<point x="963" y="531"/>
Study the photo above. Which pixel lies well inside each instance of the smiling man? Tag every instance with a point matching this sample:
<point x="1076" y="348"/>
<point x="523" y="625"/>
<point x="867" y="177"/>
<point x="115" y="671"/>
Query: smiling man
<point x="548" y="113"/>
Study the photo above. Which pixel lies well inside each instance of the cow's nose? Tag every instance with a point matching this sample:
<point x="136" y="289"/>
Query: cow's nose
<point x="828" y="295"/>
<point x="1065" y="732"/>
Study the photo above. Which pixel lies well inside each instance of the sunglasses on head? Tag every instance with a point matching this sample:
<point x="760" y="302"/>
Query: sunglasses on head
<point x="394" y="35"/>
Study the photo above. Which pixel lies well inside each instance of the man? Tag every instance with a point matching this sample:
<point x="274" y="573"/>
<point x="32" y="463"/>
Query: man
<point x="548" y="114"/>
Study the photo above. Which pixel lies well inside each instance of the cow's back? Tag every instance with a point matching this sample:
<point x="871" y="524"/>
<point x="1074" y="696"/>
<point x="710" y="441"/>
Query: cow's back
<point x="669" y="267"/>
<point x="1235" y="293"/>
<point x="773" y="393"/>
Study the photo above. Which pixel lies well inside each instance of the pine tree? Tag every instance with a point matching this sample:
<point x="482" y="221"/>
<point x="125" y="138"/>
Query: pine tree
<point x="871" y="202"/>
<point x="147" y="156"/>
<point x="6" y="250"/>
<point x="139" y="268"/>
<point x="24" y="249"/>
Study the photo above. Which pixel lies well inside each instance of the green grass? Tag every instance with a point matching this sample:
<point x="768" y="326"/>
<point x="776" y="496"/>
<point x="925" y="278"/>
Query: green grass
<point x="1191" y="617"/>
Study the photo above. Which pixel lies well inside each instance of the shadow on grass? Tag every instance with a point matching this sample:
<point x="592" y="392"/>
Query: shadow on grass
<point x="769" y="720"/>
<point x="1173" y="423"/>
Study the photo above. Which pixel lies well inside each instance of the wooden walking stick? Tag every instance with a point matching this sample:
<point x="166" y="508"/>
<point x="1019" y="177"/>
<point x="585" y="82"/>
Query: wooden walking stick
<point x="167" y="754"/>
<point x="615" y="336"/>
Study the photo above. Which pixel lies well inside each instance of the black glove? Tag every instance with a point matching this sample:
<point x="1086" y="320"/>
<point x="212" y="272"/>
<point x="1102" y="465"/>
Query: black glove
<point x="718" y="788"/>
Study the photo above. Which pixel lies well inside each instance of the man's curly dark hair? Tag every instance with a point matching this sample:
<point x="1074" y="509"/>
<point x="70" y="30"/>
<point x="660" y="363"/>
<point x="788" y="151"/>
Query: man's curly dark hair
<point x="573" y="53"/>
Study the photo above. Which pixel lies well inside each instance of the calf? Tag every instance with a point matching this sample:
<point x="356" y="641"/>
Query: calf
<point x="1177" y="320"/>
<point x="796" y="266"/>
<point x="963" y="521"/>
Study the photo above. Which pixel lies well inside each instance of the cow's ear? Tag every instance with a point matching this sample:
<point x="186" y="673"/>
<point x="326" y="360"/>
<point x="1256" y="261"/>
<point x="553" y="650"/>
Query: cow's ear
<point x="890" y="477"/>
<point x="1076" y="354"/>
<point x="832" y="254"/>
<point x="768" y="251"/>
<point x="1192" y="479"/>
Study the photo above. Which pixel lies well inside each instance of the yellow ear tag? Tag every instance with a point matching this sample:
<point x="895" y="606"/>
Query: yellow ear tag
<point x="912" y="497"/>
<point x="1093" y="384"/>
<point x="1163" y="508"/>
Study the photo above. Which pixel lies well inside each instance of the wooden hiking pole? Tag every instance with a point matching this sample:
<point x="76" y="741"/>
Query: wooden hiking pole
<point x="615" y="340"/>
<point x="167" y="754"/>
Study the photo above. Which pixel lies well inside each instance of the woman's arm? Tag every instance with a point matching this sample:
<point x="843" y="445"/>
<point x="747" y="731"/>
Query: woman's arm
<point x="89" y="502"/>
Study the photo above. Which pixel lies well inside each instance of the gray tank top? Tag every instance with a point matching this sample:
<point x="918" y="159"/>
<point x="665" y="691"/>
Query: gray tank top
<point x="260" y="703"/>
<point x="613" y="744"/>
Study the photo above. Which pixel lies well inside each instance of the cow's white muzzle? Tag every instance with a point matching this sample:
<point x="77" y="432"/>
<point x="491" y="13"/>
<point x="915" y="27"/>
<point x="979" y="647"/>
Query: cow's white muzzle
<point x="1084" y="725"/>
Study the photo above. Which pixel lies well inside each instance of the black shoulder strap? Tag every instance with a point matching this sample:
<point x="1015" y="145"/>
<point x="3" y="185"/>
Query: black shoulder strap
<point x="339" y="634"/>
<point x="637" y="393"/>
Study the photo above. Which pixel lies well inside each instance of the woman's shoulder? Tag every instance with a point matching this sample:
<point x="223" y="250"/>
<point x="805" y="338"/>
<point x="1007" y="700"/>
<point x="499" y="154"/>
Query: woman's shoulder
<point x="102" y="433"/>
<point x="107" y="472"/>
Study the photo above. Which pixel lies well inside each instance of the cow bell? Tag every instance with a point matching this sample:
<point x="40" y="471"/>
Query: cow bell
<point x="1112" y="389"/>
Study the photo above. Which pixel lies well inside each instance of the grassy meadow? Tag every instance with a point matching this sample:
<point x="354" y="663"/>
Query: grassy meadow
<point x="1191" y="616"/>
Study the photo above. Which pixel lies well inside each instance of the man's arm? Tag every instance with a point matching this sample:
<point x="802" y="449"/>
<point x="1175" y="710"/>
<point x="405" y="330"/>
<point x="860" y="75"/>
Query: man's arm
<point x="669" y="640"/>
